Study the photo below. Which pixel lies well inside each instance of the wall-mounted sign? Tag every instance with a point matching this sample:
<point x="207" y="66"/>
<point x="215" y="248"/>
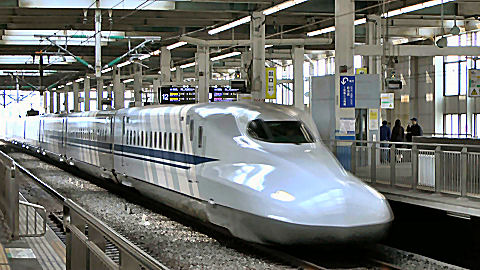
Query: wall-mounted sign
<point x="271" y="83"/>
<point x="362" y="70"/>
<point x="474" y="83"/>
<point x="373" y="119"/>
<point x="347" y="91"/>
<point x="387" y="100"/>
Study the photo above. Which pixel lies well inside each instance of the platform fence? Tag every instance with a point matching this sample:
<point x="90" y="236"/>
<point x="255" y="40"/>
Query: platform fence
<point x="440" y="168"/>
<point x="86" y="235"/>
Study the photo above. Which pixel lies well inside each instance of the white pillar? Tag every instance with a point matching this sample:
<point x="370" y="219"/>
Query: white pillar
<point x="298" y="92"/>
<point x="156" y="90"/>
<point x="374" y="29"/>
<point x="179" y="76"/>
<point x="98" y="41"/>
<point x="86" y="90"/>
<point x="257" y="37"/>
<point x="344" y="43"/>
<point x="203" y="73"/>
<point x="76" y="103"/>
<point x="246" y="57"/>
<point x="100" y="94"/>
<point x="165" y="60"/>
<point x="118" y="92"/>
<point x="137" y="86"/>
<point x="109" y="96"/>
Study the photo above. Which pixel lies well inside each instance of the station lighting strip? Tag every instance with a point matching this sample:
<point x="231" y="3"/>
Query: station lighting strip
<point x="388" y="14"/>
<point x="266" y="12"/>
<point x="176" y="45"/>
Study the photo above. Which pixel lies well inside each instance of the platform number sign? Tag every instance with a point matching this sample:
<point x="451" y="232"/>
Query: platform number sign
<point x="474" y="83"/>
<point x="271" y="83"/>
<point x="347" y="91"/>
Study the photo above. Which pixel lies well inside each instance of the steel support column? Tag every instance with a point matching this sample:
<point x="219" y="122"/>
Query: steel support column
<point x="57" y="107"/>
<point x="65" y="98"/>
<point x="344" y="44"/>
<point x="86" y="90"/>
<point x="118" y="92"/>
<point x="298" y="55"/>
<point x="257" y="37"/>
<point x="165" y="60"/>
<point x="76" y="103"/>
<point x="137" y="85"/>
<point x="156" y="90"/>
<point x="100" y="94"/>
<point x="202" y="73"/>
<point x="179" y="76"/>
<point x="52" y="101"/>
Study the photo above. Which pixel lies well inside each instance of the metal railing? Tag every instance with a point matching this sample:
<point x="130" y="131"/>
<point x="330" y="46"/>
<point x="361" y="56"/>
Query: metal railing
<point x="9" y="195"/>
<point x="87" y="236"/>
<point x="442" y="168"/>
<point x="87" y="239"/>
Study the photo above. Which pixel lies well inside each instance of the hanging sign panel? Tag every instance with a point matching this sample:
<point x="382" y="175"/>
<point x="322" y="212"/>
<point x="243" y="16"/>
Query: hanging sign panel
<point x="387" y="100"/>
<point x="347" y="91"/>
<point x="474" y="83"/>
<point x="271" y="83"/>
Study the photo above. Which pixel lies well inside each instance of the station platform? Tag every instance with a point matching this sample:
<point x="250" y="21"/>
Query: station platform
<point x="458" y="205"/>
<point x="31" y="253"/>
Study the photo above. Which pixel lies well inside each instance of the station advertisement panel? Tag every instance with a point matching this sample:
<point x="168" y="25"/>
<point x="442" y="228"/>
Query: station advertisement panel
<point x="271" y="83"/>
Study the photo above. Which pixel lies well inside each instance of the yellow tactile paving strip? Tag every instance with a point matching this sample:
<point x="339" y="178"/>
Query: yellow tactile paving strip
<point x="3" y="259"/>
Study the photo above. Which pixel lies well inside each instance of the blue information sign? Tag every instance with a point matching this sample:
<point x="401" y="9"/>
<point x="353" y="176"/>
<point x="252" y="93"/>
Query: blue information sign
<point x="347" y="91"/>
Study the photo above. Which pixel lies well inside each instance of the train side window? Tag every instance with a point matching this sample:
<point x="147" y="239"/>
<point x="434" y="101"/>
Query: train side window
<point x="165" y="140"/>
<point x="131" y="139"/>
<point x="134" y="137"/>
<point x="200" y="135"/>
<point x="169" y="141"/>
<point x="181" y="142"/>
<point x="155" y="139"/>
<point x="191" y="130"/>
<point x="151" y="140"/>
<point x="176" y="142"/>
<point x="141" y="138"/>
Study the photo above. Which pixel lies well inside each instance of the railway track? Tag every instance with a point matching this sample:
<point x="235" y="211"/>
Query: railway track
<point x="286" y="257"/>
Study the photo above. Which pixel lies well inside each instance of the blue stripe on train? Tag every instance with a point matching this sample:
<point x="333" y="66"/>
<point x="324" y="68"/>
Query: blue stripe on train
<point x="153" y="153"/>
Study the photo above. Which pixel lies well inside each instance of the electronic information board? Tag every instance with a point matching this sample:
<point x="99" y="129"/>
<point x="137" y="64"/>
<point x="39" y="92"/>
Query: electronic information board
<point x="177" y="95"/>
<point x="219" y="94"/>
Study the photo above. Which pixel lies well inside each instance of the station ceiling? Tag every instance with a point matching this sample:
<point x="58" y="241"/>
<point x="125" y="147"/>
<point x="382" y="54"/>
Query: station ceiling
<point x="22" y="22"/>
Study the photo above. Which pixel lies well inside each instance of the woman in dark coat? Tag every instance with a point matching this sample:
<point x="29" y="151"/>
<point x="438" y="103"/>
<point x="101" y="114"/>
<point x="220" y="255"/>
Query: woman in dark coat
<point x="398" y="133"/>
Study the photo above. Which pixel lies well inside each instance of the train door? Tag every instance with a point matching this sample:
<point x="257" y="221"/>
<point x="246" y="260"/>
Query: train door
<point x="200" y="138"/>
<point x="124" y="120"/>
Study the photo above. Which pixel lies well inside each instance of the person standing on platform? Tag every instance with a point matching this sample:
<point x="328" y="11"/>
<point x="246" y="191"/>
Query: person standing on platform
<point x="415" y="129"/>
<point x="385" y="135"/>
<point x="398" y="133"/>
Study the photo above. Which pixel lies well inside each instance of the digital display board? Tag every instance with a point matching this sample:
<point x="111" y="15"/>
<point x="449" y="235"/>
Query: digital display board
<point x="219" y="94"/>
<point x="177" y="95"/>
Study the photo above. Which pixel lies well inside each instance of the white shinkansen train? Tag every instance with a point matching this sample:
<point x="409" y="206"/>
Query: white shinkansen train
<point x="258" y="170"/>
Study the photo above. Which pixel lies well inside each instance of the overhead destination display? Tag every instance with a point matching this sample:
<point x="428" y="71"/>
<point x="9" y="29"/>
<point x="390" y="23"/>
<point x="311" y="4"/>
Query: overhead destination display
<point x="219" y="94"/>
<point x="177" y="95"/>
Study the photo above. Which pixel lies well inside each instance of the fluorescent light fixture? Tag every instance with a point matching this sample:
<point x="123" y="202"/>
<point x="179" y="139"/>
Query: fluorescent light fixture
<point x="145" y="56"/>
<point x="172" y="69"/>
<point x="389" y="14"/>
<point x="282" y="6"/>
<point x="157" y="52"/>
<point x="61" y="86"/>
<point x="107" y="70"/>
<point x="105" y="86"/>
<point x="230" y="25"/>
<point x="268" y="46"/>
<point x="69" y="83"/>
<point x="80" y="80"/>
<point x="188" y="65"/>
<point x="216" y="58"/>
<point x="127" y="81"/>
<point x="53" y="89"/>
<point x="124" y="64"/>
<point x="176" y="45"/>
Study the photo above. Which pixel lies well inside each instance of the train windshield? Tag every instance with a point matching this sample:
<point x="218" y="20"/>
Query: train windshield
<point x="280" y="131"/>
